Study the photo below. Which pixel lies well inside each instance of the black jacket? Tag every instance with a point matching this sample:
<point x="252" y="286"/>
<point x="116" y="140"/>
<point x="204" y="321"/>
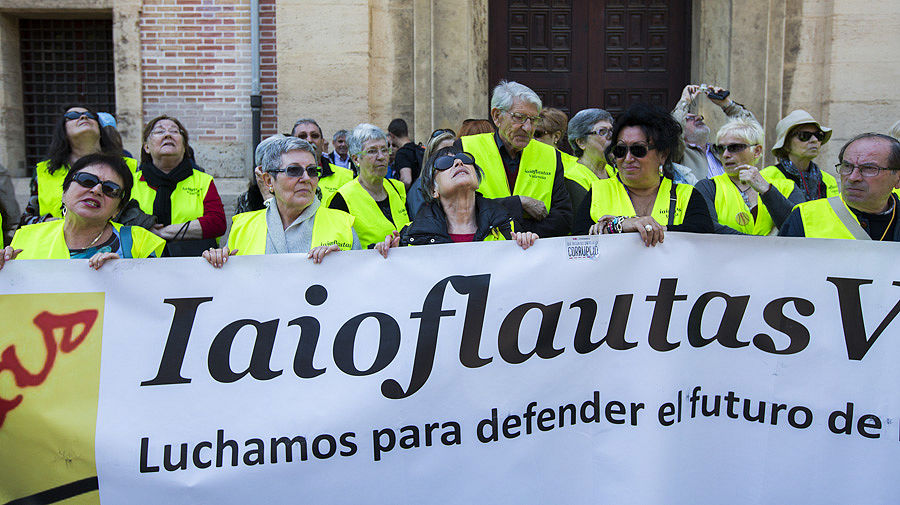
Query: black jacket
<point x="429" y="226"/>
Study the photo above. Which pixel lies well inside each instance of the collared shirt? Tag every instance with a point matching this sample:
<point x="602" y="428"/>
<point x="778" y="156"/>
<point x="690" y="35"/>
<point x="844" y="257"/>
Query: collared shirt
<point x="715" y="166"/>
<point x="336" y="159"/>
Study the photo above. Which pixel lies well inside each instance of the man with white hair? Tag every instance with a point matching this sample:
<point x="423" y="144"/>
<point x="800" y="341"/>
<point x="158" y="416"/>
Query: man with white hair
<point x="515" y="166"/>
<point x="866" y="208"/>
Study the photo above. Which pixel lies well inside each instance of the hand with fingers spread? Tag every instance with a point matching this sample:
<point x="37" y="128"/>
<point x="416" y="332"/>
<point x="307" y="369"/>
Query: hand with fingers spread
<point x="97" y="260"/>
<point x="316" y="254"/>
<point x="8" y="254"/>
<point x="525" y="239"/>
<point x="392" y="240"/>
<point x="217" y="257"/>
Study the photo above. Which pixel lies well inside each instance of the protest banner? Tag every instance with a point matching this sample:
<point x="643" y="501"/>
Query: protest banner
<point x="583" y="370"/>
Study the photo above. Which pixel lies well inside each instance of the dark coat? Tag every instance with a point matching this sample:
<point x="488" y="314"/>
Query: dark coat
<point x="429" y="226"/>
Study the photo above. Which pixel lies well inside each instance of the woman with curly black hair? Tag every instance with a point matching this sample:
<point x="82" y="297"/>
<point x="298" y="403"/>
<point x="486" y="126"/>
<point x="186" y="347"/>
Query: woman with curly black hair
<point x="643" y="198"/>
<point x="77" y="133"/>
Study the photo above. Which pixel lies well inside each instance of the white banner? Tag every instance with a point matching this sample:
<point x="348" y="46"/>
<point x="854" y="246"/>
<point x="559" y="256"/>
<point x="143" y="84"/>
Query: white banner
<point x="709" y="369"/>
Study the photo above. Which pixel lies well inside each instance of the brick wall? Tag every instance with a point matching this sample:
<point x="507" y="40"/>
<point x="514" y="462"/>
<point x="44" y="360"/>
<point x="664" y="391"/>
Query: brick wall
<point x="196" y="66"/>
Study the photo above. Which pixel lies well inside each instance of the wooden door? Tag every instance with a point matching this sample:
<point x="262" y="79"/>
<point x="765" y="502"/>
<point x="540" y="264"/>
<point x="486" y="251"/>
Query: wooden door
<point x="592" y="53"/>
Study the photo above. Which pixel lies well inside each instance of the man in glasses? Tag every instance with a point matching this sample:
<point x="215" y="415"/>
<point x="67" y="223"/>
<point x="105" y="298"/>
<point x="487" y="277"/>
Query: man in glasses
<point x="698" y="155"/>
<point x="333" y="176"/>
<point x="866" y="208"/>
<point x="408" y="158"/>
<point x="517" y="167"/>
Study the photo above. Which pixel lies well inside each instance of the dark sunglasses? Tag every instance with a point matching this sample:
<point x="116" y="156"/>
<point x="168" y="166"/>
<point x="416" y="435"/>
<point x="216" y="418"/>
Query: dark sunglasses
<point x="539" y="133"/>
<point x="88" y="180"/>
<point x="603" y="132"/>
<point x="446" y="161"/>
<point x="297" y="171"/>
<point x="804" y="136"/>
<point x="637" y="150"/>
<point x="720" y="149"/>
<point x="75" y="115"/>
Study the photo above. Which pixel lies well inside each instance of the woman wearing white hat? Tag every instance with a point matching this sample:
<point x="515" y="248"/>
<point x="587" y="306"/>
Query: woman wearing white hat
<point x="799" y="140"/>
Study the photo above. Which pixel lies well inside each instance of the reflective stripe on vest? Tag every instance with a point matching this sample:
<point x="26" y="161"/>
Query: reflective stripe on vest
<point x="772" y="174"/>
<point x="331" y="184"/>
<point x="49" y="185"/>
<point x="609" y="197"/>
<point x="187" y="199"/>
<point x="820" y="220"/>
<point x="537" y="168"/>
<point x="371" y="225"/>
<point x="249" y="230"/>
<point x="46" y="241"/>
<point x="733" y="211"/>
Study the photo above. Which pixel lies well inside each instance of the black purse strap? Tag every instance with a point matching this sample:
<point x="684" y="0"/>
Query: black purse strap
<point x="673" y="199"/>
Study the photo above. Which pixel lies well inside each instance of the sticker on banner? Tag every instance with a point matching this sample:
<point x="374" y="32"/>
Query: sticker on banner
<point x="587" y="248"/>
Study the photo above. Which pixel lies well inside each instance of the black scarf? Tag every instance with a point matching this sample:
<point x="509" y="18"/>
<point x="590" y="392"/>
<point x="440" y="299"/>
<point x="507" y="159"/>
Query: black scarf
<point x="165" y="184"/>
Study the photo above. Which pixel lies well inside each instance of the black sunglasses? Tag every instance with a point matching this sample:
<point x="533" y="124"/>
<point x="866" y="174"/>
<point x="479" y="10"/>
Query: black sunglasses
<point x="804" y="136"/>
<point x="446" y="161"/>
<point x="297" y="171"/>
<point x="88" y="180"/>
<point x="720" y="149"/>
<point x="637" y="150"/>
<point x="75" y="115"/>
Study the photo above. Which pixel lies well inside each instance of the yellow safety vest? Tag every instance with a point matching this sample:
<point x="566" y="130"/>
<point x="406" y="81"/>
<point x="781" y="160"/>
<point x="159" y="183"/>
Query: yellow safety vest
<point x="50" y="185"/>
<point x="609" y="197"/>
<point x="575" y="171"/>
<point x="733" y="211"/>
<point x="820" y="220"/>
<point x="537" y="168"/>
<point x="329" y="185"/>
<point x="330" y="227"/>
<point x="46" y="241"/>
<point x="772" y="174"/>
<point x="371" y="225"/>
<point x="187" y="198"/>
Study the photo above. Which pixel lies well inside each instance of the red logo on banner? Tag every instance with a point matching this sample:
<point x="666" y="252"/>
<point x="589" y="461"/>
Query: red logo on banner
<point x="47" y="323"/>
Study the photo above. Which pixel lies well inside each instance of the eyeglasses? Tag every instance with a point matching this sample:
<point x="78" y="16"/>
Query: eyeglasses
<point x="88" y="180"/>
<point x="719" y="149"/>
<point x="693" y="117"/>
<point x="375" y="151"/>
<point x="298" y="171"/>
<point x="73" y="114"/>
<point x="539" y="133"/>
<point x="312" y="136"/>
<point x="603" y="132"/>
<point x="441" y="131"/>
<point x="847" y="168"/>
<point x="159" y="132"/>
<point x="519" y="118"/>
<point x="804" y="136"/>
<point x="637" y="150"/>
<point x="446" y="161"/>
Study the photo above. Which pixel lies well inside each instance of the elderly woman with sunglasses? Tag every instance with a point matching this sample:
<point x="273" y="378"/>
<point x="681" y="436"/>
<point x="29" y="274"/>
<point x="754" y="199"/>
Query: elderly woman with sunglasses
<point x="799" y="140"/>
<point x="589" y="133"/>
<point x="102" y="185"/>
<point x="295" y="220"/>
<point x="377" y="203"/>
<point x="454" y="211"/>
<point x="76" y="133"/>
<point x="643" y="198"/>
<point x="741" y="200"/>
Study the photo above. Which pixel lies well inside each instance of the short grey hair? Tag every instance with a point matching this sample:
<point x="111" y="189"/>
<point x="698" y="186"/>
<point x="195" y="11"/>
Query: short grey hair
<point x="264" y="146"/>
<point x="280" y="146"/>
<point x="745" y="128"/>
<point x="305" y="120"/>
<point x="338" y="134"/>
<point x="894" y="131"/>
<point x="582" y="124"/>
<point x="507" y="91"/>
<point x="363" y="133"/>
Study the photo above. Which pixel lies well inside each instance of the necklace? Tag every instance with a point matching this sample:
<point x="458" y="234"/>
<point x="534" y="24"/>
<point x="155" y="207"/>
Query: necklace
<point x="97" y="237"/>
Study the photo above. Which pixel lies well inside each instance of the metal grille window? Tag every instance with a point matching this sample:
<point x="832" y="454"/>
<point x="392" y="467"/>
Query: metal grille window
<point x="64" y="62"/>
